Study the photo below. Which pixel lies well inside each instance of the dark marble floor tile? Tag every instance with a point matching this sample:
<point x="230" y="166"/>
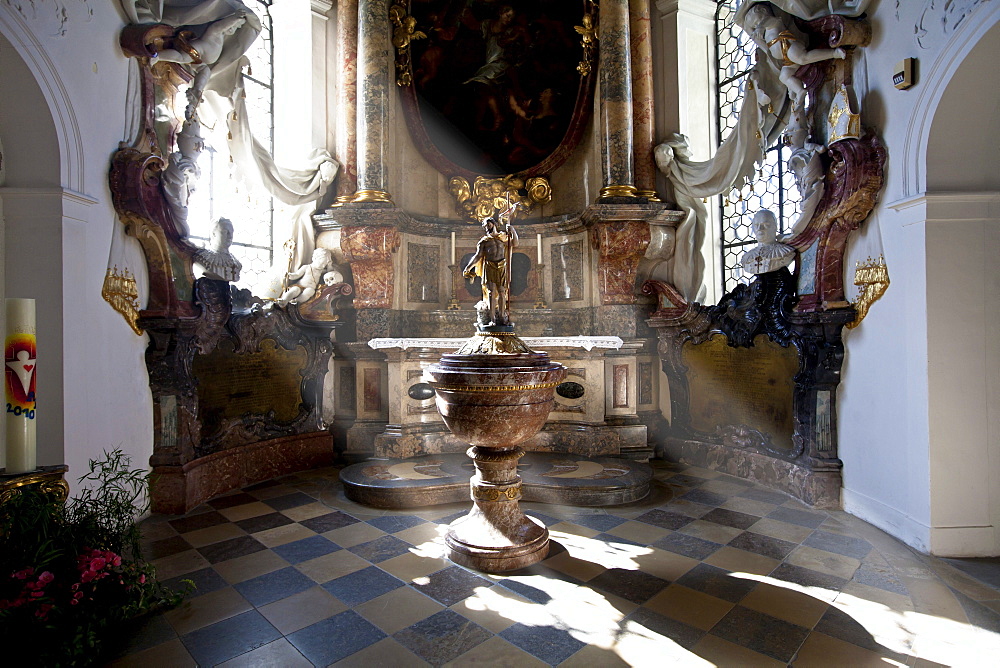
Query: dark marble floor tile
<point x="665" y="519"/>
<point x="274" y="586"/>
<point x="731" y="518"/>
<point x="335" y="638"/>
<point x="199" y="521"/>
<point x="684" y="635"/>
<point x="229" y="638"/>
<point x="763" y="545"/>
<point x="763" y="495"/>
<point x="880" y="577"/>
<point x="803" y="518"/>
<point x="761" y="633"/>
<point x="845" y="545"/>
<point x="261" y="485"/>
<point x="293" y="500"/>
<point x="704" y="497"/>
<point x="689" y="546"/>
<point x="839" y="624"/>
<point x="363" y="585"/>
<point x="329" y="522"/>
<point x="451" y="585"/>
<point x="136" y="636"/>
<point x="448" y="519"/>
<point x="232" y="500"/>
<point x="165" y="547"/>
<point x="380" y="549"/>
<point x="634" y="586"/>
<point x="527" y="590"/>
<point x="984" y="569"/>
<point x="717" y="582"/>
<point x="725" y="477"/>
<point x="807" y="577"/>
<point x="442" y="637"/>
<point x="545" y="519"/>
<point x="305" y="549"/>
<point x="394" y="523"/>
<point x="230" y="549"/>
<point x="550" y="644"/>
<point x="205" y="581"/>
<point x="979" y="615"/>
<point x="686" y="480"/>
<point x="598" y="521"/>
<point x="263" y="522"/>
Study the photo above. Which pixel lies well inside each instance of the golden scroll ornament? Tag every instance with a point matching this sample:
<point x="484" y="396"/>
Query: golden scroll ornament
<point x="404" y="31"/>
<point x="589" y="35"/>
<point x="487" y="197"/>
<point x="120" y="290"/>
<point x="872" y="277"/>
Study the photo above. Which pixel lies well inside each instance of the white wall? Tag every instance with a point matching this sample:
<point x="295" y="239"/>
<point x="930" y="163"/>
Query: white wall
<point x="915" y="411"/>
<point x="62" y="114"/>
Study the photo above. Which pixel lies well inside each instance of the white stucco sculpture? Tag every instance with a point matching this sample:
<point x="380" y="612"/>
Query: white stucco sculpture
<point x="215" y="261"/>
<point x="181" y="175"/>
<point x="307" y="279"/>
<point x="769" y="254"/>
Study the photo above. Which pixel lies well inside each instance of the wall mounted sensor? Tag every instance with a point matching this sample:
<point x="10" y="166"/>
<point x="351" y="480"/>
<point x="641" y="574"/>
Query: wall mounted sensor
<point x="902" y="74"/>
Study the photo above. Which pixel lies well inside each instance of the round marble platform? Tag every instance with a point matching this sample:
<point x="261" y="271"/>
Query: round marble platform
<point x="546" y="478"/>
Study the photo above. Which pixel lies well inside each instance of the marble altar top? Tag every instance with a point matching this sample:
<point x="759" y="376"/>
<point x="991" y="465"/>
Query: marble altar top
<point x="586" y="342"/>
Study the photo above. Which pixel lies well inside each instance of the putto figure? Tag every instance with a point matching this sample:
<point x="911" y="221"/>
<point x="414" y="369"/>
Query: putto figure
<point x="309" y="278"/>
<point x="491" y="264"/>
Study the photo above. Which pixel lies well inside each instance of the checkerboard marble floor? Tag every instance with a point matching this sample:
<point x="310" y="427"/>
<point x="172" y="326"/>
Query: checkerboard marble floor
<point x="708" y="570"/>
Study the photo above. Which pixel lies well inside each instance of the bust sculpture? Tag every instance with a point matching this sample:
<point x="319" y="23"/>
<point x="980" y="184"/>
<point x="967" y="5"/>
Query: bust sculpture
<point x="307" y="279"/>
<point x="769" y="254"/>
<point x="491" y="264"/>
<point x="216" y="262"/>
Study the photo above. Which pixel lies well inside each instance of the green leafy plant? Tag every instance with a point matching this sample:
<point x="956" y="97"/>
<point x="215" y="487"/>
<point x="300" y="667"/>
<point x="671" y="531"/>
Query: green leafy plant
<point x="70" y="573"/>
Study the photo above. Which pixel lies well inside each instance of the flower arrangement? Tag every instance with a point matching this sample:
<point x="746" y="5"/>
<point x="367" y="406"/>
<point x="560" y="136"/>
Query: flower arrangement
<point x="70" y="573"/>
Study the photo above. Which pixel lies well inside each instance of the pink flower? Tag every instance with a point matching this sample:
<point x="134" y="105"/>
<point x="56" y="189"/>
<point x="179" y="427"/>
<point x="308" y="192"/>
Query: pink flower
<point x="76" y="585"/>
<point x="142" y="579"/>
<point x="74" y="601"/>
<point x="37" y="594"/>
<point x="46" y="577"/>
<point x="116" y="561"/>
<point x="86" y="576"/>
<point x="97" y="564"/>
<point x="21" y="575"/>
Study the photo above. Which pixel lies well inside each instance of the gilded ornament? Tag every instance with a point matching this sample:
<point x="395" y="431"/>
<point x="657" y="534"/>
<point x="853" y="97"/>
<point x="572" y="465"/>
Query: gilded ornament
<point x="588" y="39"/>
<point x="404" y="31"/>
<point x="494" y="494"/>
<point x="120" y="290"/>
<point x="491" y="388"/>
<point x="872" y="276"/>
<point x="843" y="123"/>
<point x="487" y="197"/>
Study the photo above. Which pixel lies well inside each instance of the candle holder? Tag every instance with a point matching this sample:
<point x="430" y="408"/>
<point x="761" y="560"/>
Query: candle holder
<point x="453" y="302"/>
<point x="540" y="298"/>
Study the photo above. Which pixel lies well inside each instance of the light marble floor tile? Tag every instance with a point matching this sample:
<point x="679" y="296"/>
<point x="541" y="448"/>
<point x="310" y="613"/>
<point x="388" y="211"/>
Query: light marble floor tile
<point x="181" y="563"/>
<point x="333" y="565"/>
<point x="793" y="533"/>
<point x="306" y="511"/>
<point x="423" y="533"/>
<point x="276" y="654"/>
<point x="931" y="597"/>
<point x="246" y="511"/>
<point x="748" y="506"/>
<point x="495" y="609"/>
<point x="724" y="653"/>
<point x="689" y="606"/>
<point x="289" y="533"/>
<point x="496" y="652"/>
<point x="787" y="604"/>
<point x="398" y="609"/>
<point x="574" y="529"/>
<point x="711" y="531"/>
<point x="664" y="564"/>
<point x="386" y="652"/>
<point x="823" y="561"/>
<point x="218" y="533"/>
<point x="592" y="655"/>
<point x="171" y="654"/>
<point x="201" y="611"/>
<point x="409" y="566"/>
<point x="250" y="566"/>
<point x="639" y="532"/>
<point x="735" y="560"/>
<point x="353" y="534"/>
<point x="301" y="610"/>
<point x="855" y="590"/>
<point x="822" y="651"/>
<point x="581" y="569"/>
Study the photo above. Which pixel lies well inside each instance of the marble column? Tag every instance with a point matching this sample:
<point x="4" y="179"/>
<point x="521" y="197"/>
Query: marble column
<point x="616" y="101"/>
<point x="374" y="63"/>
<point x="642" y="105"/>
<point x="347" y="99"/>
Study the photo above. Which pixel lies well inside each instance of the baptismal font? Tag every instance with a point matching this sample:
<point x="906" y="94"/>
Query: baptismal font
<point x="495" y="393"/>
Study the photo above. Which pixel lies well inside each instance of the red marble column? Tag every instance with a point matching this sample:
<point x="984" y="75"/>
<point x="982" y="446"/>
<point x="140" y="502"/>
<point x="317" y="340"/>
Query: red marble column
<point x="642" y="98"/>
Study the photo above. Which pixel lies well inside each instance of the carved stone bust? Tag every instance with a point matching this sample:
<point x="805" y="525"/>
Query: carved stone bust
<point x="769" y="254"/>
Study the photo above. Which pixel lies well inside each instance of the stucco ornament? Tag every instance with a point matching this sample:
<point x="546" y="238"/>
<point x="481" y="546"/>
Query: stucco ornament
<point x="307" y="279"/>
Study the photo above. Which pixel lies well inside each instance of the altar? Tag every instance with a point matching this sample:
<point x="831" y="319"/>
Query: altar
<point x="380" y="404"/>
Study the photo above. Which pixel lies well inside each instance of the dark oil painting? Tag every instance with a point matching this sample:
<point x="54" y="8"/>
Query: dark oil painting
<point x="495" y="87"/>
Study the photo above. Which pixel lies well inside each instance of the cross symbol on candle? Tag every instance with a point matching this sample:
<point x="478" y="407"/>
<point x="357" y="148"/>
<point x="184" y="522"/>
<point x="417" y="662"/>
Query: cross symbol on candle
<point x="23" y="366"/>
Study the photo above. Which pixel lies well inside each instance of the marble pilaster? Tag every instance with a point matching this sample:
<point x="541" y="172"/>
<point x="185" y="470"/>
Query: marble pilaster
<point x="617" y="147"/>
<point x="374" y="62"/>
<point x="347" y="99"/>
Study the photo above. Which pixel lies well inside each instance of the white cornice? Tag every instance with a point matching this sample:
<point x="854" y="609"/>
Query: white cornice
<point x="704" y="9"/>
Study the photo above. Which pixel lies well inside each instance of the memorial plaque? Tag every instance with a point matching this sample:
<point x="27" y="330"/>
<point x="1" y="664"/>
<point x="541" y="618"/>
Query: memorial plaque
<point x="734" y="387"/>
<point x="231" y="385"/>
